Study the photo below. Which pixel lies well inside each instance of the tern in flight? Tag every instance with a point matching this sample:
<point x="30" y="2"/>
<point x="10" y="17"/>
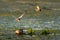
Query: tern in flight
<point x="18" y="19"/>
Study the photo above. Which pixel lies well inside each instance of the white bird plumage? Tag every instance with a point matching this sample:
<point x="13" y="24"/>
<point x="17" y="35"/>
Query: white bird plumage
<point x="18" y="19"/>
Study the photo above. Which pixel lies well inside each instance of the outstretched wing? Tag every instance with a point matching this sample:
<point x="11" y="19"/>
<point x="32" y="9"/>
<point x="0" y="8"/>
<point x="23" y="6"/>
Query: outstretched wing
<point x="21" y="16"/>
<point x="18" y="19"/>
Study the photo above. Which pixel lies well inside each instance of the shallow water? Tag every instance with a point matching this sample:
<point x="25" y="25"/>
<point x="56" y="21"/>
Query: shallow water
<point x="32" y="19"/>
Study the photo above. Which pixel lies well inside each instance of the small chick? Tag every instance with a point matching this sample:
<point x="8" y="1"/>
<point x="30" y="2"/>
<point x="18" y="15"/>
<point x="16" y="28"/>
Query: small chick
<point x="37" y="8"/>
<point x="17" y="32"/>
